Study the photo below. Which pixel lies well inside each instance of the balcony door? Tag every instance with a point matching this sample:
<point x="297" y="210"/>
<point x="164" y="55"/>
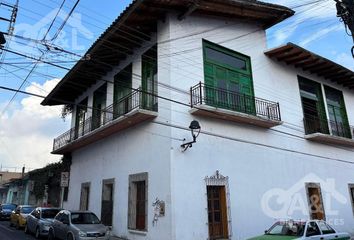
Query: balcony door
<point x="337" y="113"/>
<point x="228" y="79"/>
<point x="122" y="88"/>
<point x="99" y="104"/>
<point x="149" y="79"/>
<point x="313" y="107"/>
<point x="80" y="118"/>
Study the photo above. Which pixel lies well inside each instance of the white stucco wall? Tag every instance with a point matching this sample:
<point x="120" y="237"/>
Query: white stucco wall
<point x="256" y="160"/>
<point x="275" y="158"/>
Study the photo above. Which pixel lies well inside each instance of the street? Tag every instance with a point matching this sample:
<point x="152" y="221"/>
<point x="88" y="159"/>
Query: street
<point x="11" y="233"/>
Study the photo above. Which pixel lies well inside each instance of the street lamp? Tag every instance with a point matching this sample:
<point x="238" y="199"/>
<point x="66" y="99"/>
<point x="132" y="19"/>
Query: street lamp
<point x="195" y="130"/>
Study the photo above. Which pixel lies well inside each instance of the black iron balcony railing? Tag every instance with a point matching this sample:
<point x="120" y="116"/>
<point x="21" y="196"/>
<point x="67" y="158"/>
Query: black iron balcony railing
<point x="134" y="100"/>
<point x="235" y="101"/>
<point x="317" y="125"/>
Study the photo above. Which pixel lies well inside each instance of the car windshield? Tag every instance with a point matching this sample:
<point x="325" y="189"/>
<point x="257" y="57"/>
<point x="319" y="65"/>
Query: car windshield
<point x="8" y="207"/>
<point x="84" y="218"/>
<point x="26" y="210"/>
<point x="49" y="213"/>
<point x="287" y="228"/>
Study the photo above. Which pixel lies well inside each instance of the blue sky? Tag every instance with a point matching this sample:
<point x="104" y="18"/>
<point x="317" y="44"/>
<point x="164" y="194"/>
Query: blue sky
<point x="25" y="125"/>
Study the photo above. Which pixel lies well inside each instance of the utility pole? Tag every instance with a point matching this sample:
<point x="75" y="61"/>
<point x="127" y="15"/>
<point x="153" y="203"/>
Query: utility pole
<point x="345" y="11"/>
<point x="12" y="19"/>
<point x="14" y="9"/>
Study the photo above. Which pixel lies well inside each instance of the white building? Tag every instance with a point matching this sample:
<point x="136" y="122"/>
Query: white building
<point x="275" y="138"/>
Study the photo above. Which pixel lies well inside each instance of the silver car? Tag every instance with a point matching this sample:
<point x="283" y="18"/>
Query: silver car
<point x="77" y="225"/>
<point x="38" y="222"/>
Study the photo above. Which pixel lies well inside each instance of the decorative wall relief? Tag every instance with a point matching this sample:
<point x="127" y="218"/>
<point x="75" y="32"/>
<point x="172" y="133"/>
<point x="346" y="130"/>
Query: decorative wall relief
<point x="159" y="210"/>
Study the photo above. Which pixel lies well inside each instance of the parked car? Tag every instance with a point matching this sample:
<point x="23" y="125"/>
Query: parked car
<point x="39" y="220"/>
<point x="301" y="230"/>
<point x="78" y="225"/>
<point x="6" y="210"/>
<point x="19" y="215"/>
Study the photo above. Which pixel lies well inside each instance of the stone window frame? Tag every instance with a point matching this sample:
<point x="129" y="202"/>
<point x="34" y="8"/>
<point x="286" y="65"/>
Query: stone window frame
<point x="351" y="195"/>
<point x="132" y="200"/>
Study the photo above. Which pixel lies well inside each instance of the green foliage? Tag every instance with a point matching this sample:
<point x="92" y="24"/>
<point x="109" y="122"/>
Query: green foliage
<point x="67" y="109"/>
<point x="49" y="175"/>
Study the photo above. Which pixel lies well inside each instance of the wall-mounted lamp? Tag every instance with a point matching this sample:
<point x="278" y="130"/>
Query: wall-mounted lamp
<point x="195" y="130"/>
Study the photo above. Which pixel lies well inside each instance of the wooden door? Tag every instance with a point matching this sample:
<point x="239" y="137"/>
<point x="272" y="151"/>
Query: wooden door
<point x="107" y="203"/>
<point x="217" y="212"/>
<point x="140" y="205"/>
<point x="316" y="203"/>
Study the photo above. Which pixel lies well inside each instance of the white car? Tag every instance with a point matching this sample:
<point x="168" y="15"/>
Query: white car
<point x="301" y="230"/>
<point x="39" y="221"/>
<point x="77" y="225"/>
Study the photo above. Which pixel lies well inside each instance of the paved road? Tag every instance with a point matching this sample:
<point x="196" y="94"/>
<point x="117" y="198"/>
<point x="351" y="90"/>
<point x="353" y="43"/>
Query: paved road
<point x="10" y="233"/>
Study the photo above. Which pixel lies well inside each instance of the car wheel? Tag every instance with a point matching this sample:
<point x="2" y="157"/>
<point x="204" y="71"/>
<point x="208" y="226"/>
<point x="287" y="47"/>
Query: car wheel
<point x="51" y="235"/>
<point x="38" y="233"/>
<point x="26" y="229"/>
<point x="70" y="237"/>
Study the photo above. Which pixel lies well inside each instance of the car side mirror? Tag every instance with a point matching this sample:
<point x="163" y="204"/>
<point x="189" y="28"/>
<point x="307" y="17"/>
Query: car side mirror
<point x="66" y="222"/>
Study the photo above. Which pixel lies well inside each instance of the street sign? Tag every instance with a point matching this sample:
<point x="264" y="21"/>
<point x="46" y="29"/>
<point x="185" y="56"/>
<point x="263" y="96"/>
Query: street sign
<point x="64" y="181"/>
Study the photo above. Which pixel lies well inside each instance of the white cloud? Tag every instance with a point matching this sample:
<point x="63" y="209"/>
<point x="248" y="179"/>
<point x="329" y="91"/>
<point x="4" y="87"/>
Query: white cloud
<point x="27" y="132"/>
<point x="320" y="34"/>
<point x="308" y="17"/>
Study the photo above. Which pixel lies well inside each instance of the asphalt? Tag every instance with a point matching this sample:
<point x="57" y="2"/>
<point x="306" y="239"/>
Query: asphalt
<point x="11" y="233"/>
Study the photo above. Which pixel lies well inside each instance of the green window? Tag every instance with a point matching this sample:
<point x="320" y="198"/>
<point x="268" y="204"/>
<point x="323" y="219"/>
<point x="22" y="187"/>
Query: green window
<point x="99" y="104"/>
<point x="313" y="107"/>
<point x="228" y="79"/>
<point x="149" y="79"/>
<point x="337" y="113"/>
<point x="122" y="88"/>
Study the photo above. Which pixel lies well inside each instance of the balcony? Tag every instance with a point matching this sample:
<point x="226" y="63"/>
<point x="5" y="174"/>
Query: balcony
<point x="232" y="106"/>
<point x="329" y="132"/>
<point x="133" y="109"/>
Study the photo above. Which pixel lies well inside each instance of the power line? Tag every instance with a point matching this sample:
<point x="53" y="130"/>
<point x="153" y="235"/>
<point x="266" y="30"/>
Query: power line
<point x="65" y="21"/>
<point x="55" y="17"/>
<point x="219" y="135"/>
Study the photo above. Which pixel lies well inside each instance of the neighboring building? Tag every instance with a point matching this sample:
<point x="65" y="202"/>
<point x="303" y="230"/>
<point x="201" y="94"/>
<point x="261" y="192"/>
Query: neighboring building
<point x="275" y="137"/>
<point x="6" y="177"/>
<point x="39" y="187"/>
<point x="18" y="191"/>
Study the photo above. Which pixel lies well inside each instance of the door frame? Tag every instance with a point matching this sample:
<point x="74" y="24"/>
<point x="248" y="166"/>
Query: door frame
<point x="219" y="180"/>
<point x="110" y="181"/>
